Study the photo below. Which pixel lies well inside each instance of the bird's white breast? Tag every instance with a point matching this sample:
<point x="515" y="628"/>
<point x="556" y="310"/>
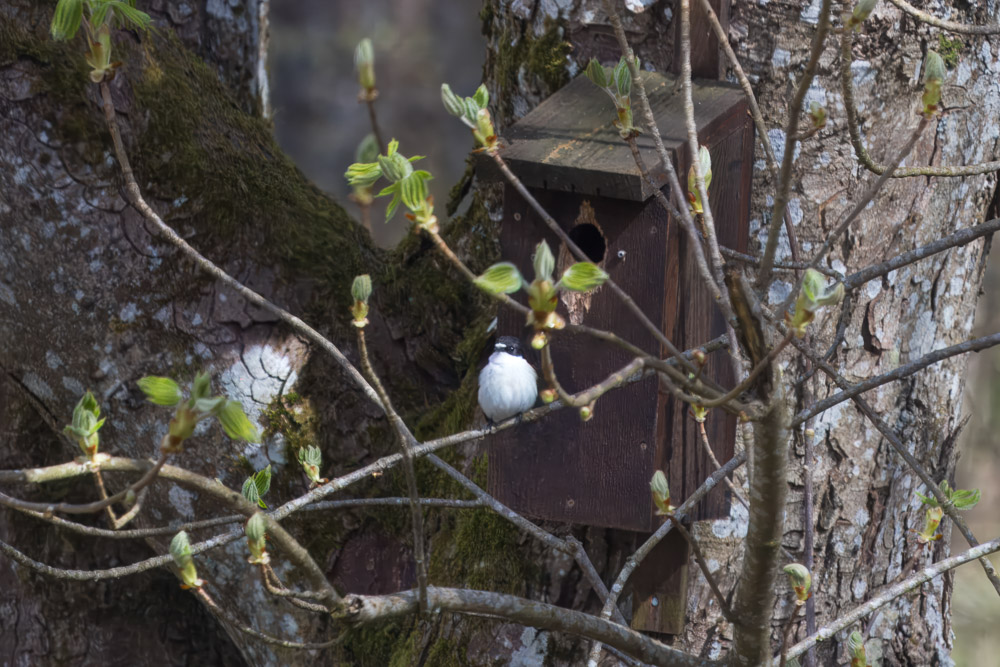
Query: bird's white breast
<point x="507" y="386"/>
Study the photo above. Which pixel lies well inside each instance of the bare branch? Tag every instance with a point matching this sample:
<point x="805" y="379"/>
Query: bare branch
<point x="847" y="87"/>
<point x="136" y="199"/>
<point x="893" y="592"/>
<point x="791" y="138"/>
<point x="203" y="595"/>
<point x="898" y="373"/>
<point x="959" y="238"/>
<point x="405" y="438"/>
<point x="640" y="554"/>
<point x="950" y="26"/>
<point x="365" y="609"/>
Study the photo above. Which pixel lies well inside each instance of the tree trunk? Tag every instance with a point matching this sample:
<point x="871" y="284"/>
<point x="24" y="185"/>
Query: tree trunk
<point x="90" y="298"/>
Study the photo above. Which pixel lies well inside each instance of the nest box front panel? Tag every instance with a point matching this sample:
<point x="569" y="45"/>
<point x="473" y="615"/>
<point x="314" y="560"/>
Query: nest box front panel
<point x="570" y="156"/>
<point x="559" y="468"/>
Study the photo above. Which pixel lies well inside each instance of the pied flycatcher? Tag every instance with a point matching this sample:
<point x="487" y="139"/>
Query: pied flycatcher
<point x="508" y="385"/>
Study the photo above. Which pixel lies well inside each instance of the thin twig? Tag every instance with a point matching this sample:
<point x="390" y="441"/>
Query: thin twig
<point x="791" y="138"/>
<point x="898" y="373"/>
<point x="853" y="126"/>
<point x="203" y="595"/>
<point x="640" y="554"/>
<point x="950" y="26"/>
<point x="134" y="195"/>
<point x="699" y="558"/>
<point x="405" y="438"/>
<point x="784" y="634"/>
<point x="891" y="593"/>
<point x="707" y="446"/>
<point x="911" y="461"/>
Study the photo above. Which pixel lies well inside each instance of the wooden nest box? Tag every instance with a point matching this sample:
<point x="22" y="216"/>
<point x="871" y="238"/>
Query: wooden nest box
<point x="568" y="153"/>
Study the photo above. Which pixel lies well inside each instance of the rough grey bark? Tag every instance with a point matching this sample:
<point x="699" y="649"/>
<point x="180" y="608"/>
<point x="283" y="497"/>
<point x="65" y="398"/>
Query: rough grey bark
<point x="89" y="299"/>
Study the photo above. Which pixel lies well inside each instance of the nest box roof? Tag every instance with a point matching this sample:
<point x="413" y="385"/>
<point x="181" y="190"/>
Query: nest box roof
<point x="569" y="142"/>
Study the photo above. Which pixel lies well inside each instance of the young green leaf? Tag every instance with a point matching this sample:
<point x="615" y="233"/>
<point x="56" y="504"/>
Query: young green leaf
<point x="257" y="485"/>
<point x="502" y="278"/>
<point x="595" y="72"/>
<point x="481" y="97"/>
<point x="236" y="424"/>
<point x="543" y="262"/>
<point x="413" y="191"/>
<point x="180" y="548"/>
<point x="202" y="386"/>
<point x="454" y="104"/>
<point x="66" y="19"/>
<point x="965" y="499"/>
<point x="209" y="406"/>
<point x="160" y="390"/>
<point x="362" y="174"/>
<point x="581" y="277"/>
<point x="623" y="78"/>
<point x="128" y="14"/>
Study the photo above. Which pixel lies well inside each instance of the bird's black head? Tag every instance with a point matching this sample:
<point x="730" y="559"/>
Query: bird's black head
<point x="510" y="345"/>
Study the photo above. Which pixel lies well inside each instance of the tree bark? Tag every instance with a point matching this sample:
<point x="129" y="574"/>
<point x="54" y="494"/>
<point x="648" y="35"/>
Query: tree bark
<point x="90" y="298"/>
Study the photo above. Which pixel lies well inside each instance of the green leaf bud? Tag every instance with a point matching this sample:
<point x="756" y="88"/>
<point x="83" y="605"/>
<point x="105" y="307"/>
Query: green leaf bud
<point x="361" y="288"/>
<point x="581" y="277"/>
<point x="454" y="104"/>
<point x="180" y="551"/>
<point x="856" y="647"/>
<point x="364" y="61"/>
<point x="596" y="73"/>
<point x="160" y="390"/>
<point x="236" y="424"/>
<point x="502" y="278"/>
<point x="543" y="261"/>
<point x="256" y="531"/>
<point x="623" y="78"/>
<point x="862" y="11"/>
<point x="202" y="386"/>
<point x="661" y="493"/>
<point x="801" y="580"/>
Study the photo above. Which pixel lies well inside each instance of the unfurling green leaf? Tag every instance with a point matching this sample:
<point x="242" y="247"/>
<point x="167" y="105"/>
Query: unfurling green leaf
<point x="67" y="19"/>
<point x="481" y="97"/>
<point x="813" y="295"/>
<point x="581" y="277"/>
<point x="454" y="104"/>
<point x="413" y="191"/>
<point x="856" y="647"/>
<point x="965" y="499"/>
<point x="800" y="579"/>
<point x="543" y="262"/>
<point x="202" y="386"/>
<point x="661" y="494"/>
<point x="86" y="424"/>
<point x="257" y="485"/>
<point x="160" y="390"/>
<point x="256" y="531"/>
<point x="862" y="11"/>
<point x="596" y="73"/>
<point x="502" y="278"/>
<point x="180" y="551"/>
<point x="705" y="166"/>
<point x="363" y="175"/>
<point x="394" y="167"/>
<point x="236" y="424"/>
<point x="310" y="458"/>
<point x="623" y="78"/>
<point x="127" y="14"/>
<point x="361" y="288"/>
<point x="367" y="151"/>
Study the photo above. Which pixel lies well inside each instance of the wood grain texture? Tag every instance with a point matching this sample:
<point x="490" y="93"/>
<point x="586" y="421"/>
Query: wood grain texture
<point x="569" y="143"/>
<point x="597" y="473"/>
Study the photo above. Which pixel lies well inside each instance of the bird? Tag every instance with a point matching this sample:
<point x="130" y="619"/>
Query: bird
<point x="508" y="385"/>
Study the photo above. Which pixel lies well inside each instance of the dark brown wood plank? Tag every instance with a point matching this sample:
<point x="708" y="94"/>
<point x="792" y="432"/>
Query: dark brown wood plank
<point x="707" y="61"/>
<point x="598" y="472"/>
<point x="569" y="143"/>
<point x="659" y="587"/>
